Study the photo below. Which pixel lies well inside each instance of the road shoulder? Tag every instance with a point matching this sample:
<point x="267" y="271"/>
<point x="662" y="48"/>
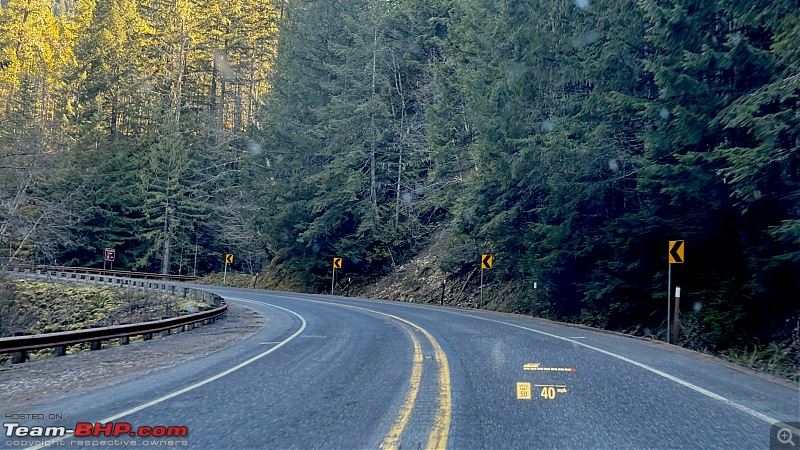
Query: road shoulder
<point x="32" y="383"/>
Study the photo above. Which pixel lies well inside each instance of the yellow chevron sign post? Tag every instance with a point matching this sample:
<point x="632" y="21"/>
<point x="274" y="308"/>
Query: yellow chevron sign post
<point x="228" y="260"/>
<point x="675" y="256"/>
<point x="337" y="264"/>
<point x="675" y="252"/>
<point x="486" y="263"/>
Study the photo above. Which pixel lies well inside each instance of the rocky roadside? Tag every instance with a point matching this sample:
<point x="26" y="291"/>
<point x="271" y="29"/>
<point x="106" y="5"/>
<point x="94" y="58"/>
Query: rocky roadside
<point x="26" y="385"/>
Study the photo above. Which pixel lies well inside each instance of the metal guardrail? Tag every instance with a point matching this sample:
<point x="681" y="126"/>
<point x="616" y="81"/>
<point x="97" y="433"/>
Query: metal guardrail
<point x="28" y="268"/>
<point x="20" y="345"/>
<point x="64" y="338"/>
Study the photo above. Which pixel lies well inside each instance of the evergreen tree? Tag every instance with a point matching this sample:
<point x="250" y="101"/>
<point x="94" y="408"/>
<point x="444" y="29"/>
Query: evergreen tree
<point x="34" y="55"/>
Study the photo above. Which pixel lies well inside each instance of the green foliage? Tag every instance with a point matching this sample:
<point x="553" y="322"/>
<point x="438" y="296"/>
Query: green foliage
<point x="596" y="135"/>
<point x="571" y="140"/>
<point x="346" y="140"/>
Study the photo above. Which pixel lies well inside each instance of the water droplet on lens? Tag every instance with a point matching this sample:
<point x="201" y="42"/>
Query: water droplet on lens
<point x="254" y="148"/>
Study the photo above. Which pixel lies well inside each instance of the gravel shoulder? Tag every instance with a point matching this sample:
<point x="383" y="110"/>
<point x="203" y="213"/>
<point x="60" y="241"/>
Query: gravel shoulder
<point x="26" y="385"/>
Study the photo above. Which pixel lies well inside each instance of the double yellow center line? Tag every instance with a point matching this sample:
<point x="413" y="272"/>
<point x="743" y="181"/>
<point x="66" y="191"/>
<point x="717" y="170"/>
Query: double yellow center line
<point x="437" y="438"/>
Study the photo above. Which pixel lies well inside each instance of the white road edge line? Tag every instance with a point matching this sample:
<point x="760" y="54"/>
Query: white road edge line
<point x="199" y="383"/>
<point x="694" y="387"/>
<point x="673" y="378"/>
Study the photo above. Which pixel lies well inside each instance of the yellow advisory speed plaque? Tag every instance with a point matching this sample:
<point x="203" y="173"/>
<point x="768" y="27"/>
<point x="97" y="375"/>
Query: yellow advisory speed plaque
<point x="523" y="390"/>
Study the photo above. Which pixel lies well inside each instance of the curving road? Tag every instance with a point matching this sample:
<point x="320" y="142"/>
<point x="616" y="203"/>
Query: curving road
<point x="333" y="372"/>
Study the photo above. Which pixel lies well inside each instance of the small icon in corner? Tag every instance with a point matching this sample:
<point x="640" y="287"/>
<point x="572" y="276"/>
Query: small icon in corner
<point x="784" y="435"/>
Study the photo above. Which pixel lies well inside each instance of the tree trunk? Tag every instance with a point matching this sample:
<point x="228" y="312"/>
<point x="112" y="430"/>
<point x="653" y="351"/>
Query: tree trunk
<point x="373" y="191"/>
<point x="398" y="82"/>
<point x="397" y="188"/>
<point x="167" y="242"/>
<point x="177" y="96"/>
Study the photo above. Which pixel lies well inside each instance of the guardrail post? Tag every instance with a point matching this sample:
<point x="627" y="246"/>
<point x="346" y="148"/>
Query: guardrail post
<point x="60" y="350"/>
<point x="19" y="357"/>
<point x="95" y="345"/>
<point x="147" y="336"/>
<point x="165" y="333"/>
<point x="124" y="340"/>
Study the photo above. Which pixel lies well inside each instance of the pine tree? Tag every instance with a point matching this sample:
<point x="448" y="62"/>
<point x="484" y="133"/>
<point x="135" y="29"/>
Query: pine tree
<point x="34" y="55"/>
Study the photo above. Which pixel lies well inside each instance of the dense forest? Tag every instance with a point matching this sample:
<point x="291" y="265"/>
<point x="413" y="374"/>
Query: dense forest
<point x="571" y="139"/>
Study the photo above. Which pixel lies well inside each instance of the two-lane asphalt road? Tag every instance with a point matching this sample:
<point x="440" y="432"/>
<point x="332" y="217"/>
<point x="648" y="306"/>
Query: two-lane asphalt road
<point x="332" y="372"/>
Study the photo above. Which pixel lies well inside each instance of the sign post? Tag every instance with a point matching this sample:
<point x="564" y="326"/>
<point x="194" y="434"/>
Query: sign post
<point x="337" y="264"/>
<point x="109" y="255"/>
<point x="486" y="263"/>
<point x="677" y="319"/>
<point x="228" y="260"/>
<point x="675" y="256"/>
